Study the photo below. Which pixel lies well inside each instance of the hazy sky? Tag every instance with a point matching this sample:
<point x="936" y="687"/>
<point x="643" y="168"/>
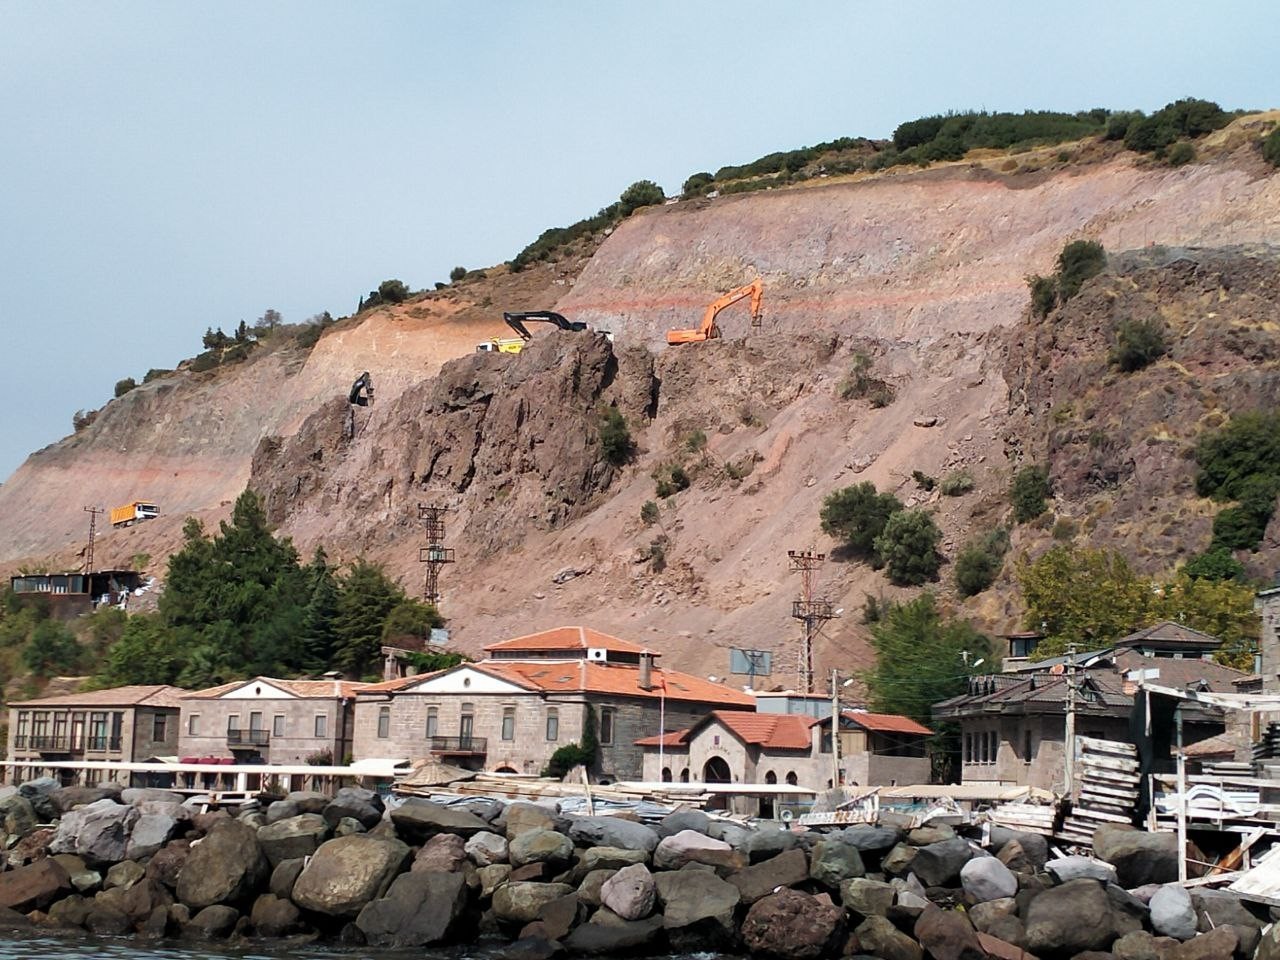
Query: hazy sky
<point x="166" y="167"/>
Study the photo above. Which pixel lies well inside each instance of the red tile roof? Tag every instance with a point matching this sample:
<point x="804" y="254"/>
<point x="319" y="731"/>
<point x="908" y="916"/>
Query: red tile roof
<point x="673" y="740"/>
<point x="773" y="731"/>
<point x="885" y="722"/>
<point x="613" y="678"/>
<point x="154" y="695"/>
<point x="574" y="639"/>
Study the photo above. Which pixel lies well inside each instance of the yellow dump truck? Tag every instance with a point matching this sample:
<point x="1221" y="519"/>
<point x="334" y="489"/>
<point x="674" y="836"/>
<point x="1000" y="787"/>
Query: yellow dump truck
<point x="132" y="513"/>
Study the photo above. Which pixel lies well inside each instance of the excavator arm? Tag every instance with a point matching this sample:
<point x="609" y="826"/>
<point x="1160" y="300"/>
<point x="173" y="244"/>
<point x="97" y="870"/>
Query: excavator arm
<point x="708" y="329"/>
<point x="516" y="321"/>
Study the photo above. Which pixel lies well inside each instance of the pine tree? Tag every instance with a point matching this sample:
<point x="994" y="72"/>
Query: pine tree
<point x="366" y="598"/>
<point x="318" y="636"/>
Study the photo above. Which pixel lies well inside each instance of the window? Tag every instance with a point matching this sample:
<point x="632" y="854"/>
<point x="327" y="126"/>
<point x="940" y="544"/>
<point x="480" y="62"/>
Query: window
<point x="553" y="724"/>
<point x="233" y="723"/>
<point x="97" y="730"/>
<point x="508" y="723"/>
<point x="158" y="724"/>
<point x="606" y="724"/>
<point x="433" y="722"/>
<point x="791" y="778"/>
<point x="193" y="725"/>
<point x="770" y="777"/>
<point x="384" y="722"/>
<point x="666" y="774"/>
<point x="117" y="729"/>
<point x="277" y="725"/>
<point x="1026" y="745"/>
<point x="995" y="745"/>
<point x="322" y="725"/>
<point x="255" y="721"/>
<point x="982" y="747"/>
<point x="466" y="725"/>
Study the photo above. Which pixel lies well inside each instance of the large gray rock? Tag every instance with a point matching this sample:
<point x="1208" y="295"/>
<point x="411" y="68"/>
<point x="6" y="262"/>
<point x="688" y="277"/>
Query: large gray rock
<point x="999" y="918"/>
<point x="697" y="908"/>
<point x="738" y="835"/>
<point x="159" y="821"/>
<point x="443" y="853"/>
<point x="417" y="820"/>
<point x="590" y="886"/>
<point x="930" y="833"/>
<point x="212" y="923"/>
<point x="866" y="837"/>
<point x="684" y="819"/>
<point x="307" y="801"/>
<point x="124" y="874"/>
<point x="141" y="795"/>
<point x="630" y="893"/>
<point x="612" y="832"/>
<point x="521" y="901"/>
<point x="227" y="866"/>
<point x="607" y="858"/>
<point x="1070" y="918"/>
<point x="1138" y="856"/>
<point x="832" y="861"/>
<point x="284" y="876"/>
<point x="986" y="878"/>
<point x="1035" y="846"/>
<point x="1137" y="945"/>
<point x="97" y="831"/>
<point x="419" y="909"/>
<point x="357" y="803"/>
<point x="1172" y="913"/>
<point x="878" y="937"/>
<point x="792" y="925"/>
<point x="348" y="872"/>
<point x="487" y="848"/>
<point x="540" y="846"/>
<point x="1221" y="908"/>
<point x="82" y="878"/>
<point x="17" y="815"/>
<point x="521" y="816"/>
<point x="68" y="798"/>
<point x="1064" y="869"/>
<point x="39" y="794"/>
<point x="787" y="869"/>
<point x="939" y="864"/>
<point x="292" y="838"/>
<point x="1221" y="943"/>
<point x="765" y="842"/>
<point x="897" y="862"/>
<point x="689" y="846"/>
<point x="166" y="864"/>
<point x="867" y="898"/>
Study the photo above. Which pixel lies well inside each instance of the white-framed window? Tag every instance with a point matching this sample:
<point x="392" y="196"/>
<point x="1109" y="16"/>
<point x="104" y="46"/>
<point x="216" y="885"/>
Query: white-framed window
<point x="433" y="722"/>
<point x="322" y="725"/>
<point x="277" y="725"/>
<point x="508" y="723"/>
<point x="384" y="722"/>
<point x="553" y="723"/>
<point x="193" y="725"/>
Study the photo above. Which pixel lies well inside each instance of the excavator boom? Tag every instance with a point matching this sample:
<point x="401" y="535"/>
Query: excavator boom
<point x="708" y="329"/>
<point x="516" y="321"/>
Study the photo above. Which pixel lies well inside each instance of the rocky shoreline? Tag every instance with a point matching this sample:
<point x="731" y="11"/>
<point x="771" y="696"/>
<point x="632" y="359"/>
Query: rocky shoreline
<point x="534" y="883"/>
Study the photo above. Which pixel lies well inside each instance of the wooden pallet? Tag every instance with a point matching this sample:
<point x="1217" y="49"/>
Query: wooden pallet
<point x="1106" y="788"/>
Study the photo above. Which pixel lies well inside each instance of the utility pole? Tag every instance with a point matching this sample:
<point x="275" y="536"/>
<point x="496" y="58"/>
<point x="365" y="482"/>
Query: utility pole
<point x="93" y="533"/>
<point x="1071" y="719"/>
<point x="835" y="730"/>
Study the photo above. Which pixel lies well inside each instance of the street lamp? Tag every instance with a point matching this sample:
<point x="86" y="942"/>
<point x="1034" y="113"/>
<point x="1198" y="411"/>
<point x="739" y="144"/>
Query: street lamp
<point x="836" y="687"/>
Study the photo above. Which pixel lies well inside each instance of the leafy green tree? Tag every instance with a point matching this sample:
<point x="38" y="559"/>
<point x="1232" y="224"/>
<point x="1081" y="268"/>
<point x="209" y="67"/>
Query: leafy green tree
<point x="319" y="636"/>
<point x="979" y="562"/>
<point x="366" y="597"/>
<point x="1241" y="527"/>
<point x="857" y="515"/>
<point x="124" y="386"/>
<point x="1138" y="343"/>
<point x="457" y="273"/>
<point x="146" y="653"/>
<point x="1271" y="147"/>
<point x="1081" y="595"/>
<point x="908" y="547"/>
<point x="1248" y="446"/>
<point x="642" y="193"/>
<point x="615" y="437"/>
<point x="411" y="619"/>
<point x="921" y="657"/>
<point x="1180" y="154"/>
<point x="1044" y="294"/>
<point x="52" y="650"/>
<point x="697" y="183"/>
<point x="1079" y="261"/>
<point x="1029" y="493"/>
<point x="1217" y="563"/>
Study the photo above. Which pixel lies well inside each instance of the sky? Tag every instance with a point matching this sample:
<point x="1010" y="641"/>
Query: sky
<point x="167" y="167"/>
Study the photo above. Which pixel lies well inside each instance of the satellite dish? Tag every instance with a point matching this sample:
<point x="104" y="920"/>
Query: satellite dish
<point x="980" y="661"/>
<point x="786" y="816"/>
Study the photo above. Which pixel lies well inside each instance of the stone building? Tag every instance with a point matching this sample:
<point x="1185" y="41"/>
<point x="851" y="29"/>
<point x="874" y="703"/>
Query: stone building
<point x="529" y="697"/>
<point x="1013" y="725"/>
<point x="270" y="721"/>
<point x="125" y="724"/>
<point x="729" y="746"/>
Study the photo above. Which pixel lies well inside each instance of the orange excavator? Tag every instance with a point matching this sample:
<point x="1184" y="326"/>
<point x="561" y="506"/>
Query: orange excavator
<point x="708" y="329"/>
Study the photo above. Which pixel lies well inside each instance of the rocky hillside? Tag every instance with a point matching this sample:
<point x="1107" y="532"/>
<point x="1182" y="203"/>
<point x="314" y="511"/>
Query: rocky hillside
<point x="924" y="272"/>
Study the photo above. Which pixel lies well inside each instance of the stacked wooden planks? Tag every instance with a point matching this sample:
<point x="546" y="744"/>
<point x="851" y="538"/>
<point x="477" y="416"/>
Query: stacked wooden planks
<point x="1106" y="787"/>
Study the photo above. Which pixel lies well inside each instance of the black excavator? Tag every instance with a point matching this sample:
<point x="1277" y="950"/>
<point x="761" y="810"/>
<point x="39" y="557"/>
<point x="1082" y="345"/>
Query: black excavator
<point x="517" y="321"/>
<point x="361" y="394"/>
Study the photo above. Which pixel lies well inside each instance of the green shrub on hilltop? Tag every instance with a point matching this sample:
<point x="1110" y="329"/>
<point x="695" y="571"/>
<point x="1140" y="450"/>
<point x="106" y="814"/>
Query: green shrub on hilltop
<point x="124" y="386"/>
<point x="1029" y="493"/>
<point x="1079" y="261"/>
<point x="615" y="437"/>
<point x="978" y="563"/>
<point x="1271" y="147"/>
<point x="908" y="547"/>
<point x="1138" y="343"/>
<point x="857" y="515"/>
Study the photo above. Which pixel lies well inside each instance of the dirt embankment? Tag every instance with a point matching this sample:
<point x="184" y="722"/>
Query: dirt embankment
<point x="923" y="272"/>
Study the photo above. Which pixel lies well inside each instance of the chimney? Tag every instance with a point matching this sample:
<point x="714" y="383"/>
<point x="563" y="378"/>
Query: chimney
<point x="646" y="671"/>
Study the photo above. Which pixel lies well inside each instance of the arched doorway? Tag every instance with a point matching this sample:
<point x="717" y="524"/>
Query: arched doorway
<point x="666" y="774"/>
<point x="506" y="770"/>
<point x="791" y="778"/>
<point x="684" y="775"/>
<point x="766" y="803"/>
<point x="716" y="770"/>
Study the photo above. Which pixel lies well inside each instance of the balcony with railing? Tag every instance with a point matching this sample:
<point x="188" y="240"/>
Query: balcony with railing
<point x="247" y="739"/>
<point x="457" y="746"/>
<point x="102" y="744"/>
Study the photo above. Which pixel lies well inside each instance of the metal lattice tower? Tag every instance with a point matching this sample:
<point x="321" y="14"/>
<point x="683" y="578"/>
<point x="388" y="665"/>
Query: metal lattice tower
<point x="812" y="613"/>
<point x="93" y="535"/>
<point x="435" y="555"/>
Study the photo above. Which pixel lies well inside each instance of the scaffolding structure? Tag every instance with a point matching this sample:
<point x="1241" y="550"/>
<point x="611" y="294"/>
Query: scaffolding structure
<point x="812" y="612"/>
<point x="435" y="555"/>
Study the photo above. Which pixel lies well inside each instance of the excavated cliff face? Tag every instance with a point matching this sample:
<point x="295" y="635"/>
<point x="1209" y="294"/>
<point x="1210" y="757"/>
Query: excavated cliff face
<point x="1118" y="444"/>
<point x="923" y="272"/>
